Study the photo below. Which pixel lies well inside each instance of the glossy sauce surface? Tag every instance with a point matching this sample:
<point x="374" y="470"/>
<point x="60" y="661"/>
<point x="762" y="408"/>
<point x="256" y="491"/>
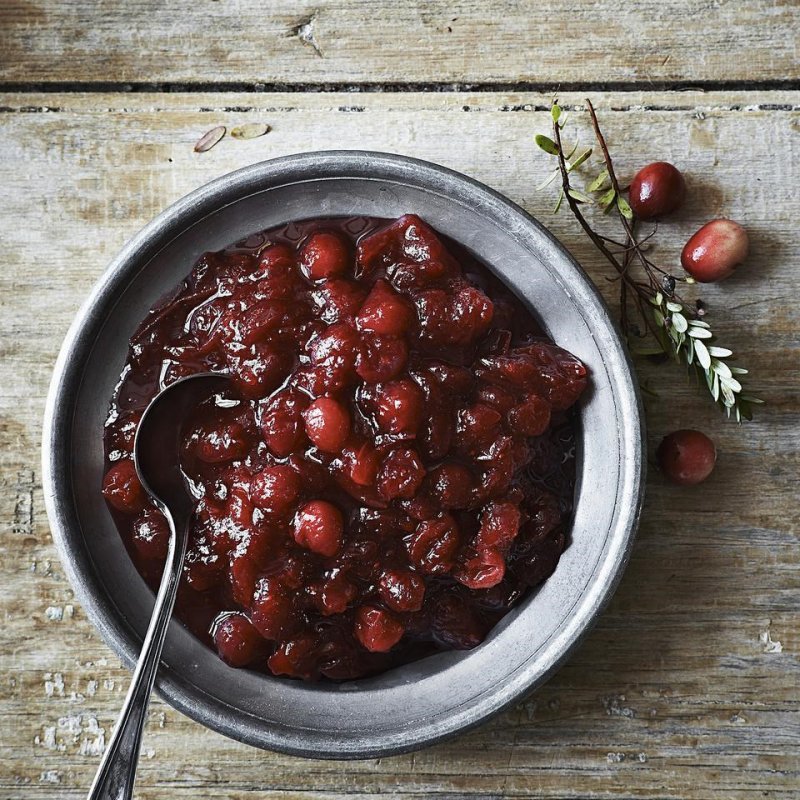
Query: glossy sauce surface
<point x="392" y="468"/>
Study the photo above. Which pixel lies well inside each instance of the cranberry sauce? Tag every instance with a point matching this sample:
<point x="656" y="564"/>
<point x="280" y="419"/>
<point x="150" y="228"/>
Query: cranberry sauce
<point x="392" y="467"/>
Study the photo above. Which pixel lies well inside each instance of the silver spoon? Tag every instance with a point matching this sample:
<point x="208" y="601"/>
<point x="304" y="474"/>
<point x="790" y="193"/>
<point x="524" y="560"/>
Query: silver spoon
<point x="156" y="454"/>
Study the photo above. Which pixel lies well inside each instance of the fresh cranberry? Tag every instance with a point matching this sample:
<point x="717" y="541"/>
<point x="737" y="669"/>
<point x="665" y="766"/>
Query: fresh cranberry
<point x="656" y="190"/>
<point x="401" y="474"/>
<point x="276" y="489"/>
<point x="318" y="527"/>
<point x="402" y="590"/>
<point x="324" y="255"/>
<point x="151" y="535"/>
<point x="686" y="457"/>
<point x="327" y="424"/>
<point x="714" y="252"/>
<point x="377" y="629"/>
<point x="399" y="406"/>
<point x="122" y="488"/>
<point x="434" y="545"/>
<point x="237" y="641"/>
<point x="385" y="312"/>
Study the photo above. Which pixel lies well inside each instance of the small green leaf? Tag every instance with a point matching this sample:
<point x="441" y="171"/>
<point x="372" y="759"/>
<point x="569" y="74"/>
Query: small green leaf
<point x="555" y="112"/>
<point x="739" y="371"/>
<point x="599" y="182"/>
<point x="560" y="200"/>
<point x="703" y="356"/>
<point x="658" y="317"/>
<point x="731" y="383"/>
<point x="689" y="351"/>
<point x="624" y="208"/>
<point x="698" y="323"/>
<point x="658" y="299"/>
<point x="549" y="180"/>
<point x="720" y="352"/>
<point x="722" y="368"/>
<point x="700" y="333"/>
<point x="680" y="323"/>
<point x="608" y="198"/>
<point x="546" y="144"/>
<point x="580" y="196"/>
<point x="749" y="399"/>
<point x="580" y="159"/>
<point x="671" y="306"/>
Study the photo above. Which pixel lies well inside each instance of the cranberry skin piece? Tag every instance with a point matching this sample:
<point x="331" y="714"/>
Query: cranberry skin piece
<point x="363" y="463"/>
<point x="686" y="457"/>
<point x="402" y="590"/>
<point x="275" y="489"/>
<point x="399" y="406"/>
<point x="221" y="442"/>
<point x="378" y="630"/>
<point x="401" y="474"/>
<point x="715" y="251"/>
<point x="237" y="641"/>
<point x="151" y="535"/>
<point x="324" y="255"/>
<point x="327" y="424"/>
<point x="318" y="527"/>
<point x="122" y="488"/>
<point x="656" y="190"/>
<point x="385" y="312"/>
<point x="434" y="545"/>
<point x="273" y="612"/>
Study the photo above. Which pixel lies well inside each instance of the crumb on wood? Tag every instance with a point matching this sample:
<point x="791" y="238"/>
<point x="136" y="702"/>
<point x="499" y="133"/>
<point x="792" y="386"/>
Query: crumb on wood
<point x="768" y="644"/>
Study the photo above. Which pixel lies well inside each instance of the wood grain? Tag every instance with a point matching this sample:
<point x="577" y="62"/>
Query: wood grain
<point x="375" y="41"/>
<point x="689" y="686"/>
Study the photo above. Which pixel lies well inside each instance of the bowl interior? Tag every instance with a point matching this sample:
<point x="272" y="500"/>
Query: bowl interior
<point x="420" y="702"/>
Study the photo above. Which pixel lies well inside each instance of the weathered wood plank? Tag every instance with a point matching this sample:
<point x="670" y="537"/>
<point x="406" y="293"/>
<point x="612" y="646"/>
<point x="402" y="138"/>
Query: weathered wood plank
<point x="681" y="691"/>
<point x="284" y="41"/>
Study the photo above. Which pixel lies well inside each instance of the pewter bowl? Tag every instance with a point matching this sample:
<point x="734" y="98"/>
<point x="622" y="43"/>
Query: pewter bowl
<point x="419" y="703"/>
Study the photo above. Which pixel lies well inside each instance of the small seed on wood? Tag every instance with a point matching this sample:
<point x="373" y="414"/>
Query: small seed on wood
<point x="209" y="139"/>
<point x="251" y="130"/>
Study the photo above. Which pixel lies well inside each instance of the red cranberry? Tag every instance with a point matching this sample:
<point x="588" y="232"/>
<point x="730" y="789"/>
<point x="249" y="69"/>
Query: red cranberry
<point x="221" y="441"/>
<point x="452" y="484"/>
<point x="327" y="424"/>
<point x="381" y="358"/>
<point x="324" y="255"/>
<point x="339" y="300"/>
<point x="499" y="525"/>
<point x="335" y="594"/>
<point x="385" y="311"/>
<point x="282" y="422"/>
<point x="295" y="657"/>
<point x="530" y="418"/>
<point x="399" y="406"/>
<point x="456" y="624"/>
<point x="656" y="190"/>
<point x="248" y="560"/>
<point x="478" y="426"/>
<point x="237" y="641"/>
<point x="377" y="629"/>
<point x="715" y="251"/>
<point x="434" y="545"/>
<point x="364" y="463"/>
<point x="484" y="569"/>
<point x="401" y="474"/>
<point x="272" y="611"/>
<point x="402" y="590"/>
<point x="151" y="535"/>
<point x="260" y="369"/>
<point x="318" y="527"/>
<point x="275" y="489"/>
<point x="122" y="488"/>
<point x="686" y="457"/>
<point x="334" y="353"/>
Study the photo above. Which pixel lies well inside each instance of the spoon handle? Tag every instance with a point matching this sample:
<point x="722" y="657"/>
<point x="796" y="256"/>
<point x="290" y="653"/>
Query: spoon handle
<point x="117" y="771"/>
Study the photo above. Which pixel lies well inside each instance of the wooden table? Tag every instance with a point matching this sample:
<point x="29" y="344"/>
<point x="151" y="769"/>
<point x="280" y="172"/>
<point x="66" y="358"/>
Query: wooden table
<point x="689" y="685"/>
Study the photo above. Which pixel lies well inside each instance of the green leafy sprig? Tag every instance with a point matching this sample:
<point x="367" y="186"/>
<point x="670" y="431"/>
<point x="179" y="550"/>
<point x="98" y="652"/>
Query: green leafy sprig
<point x="669" y="325"/>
